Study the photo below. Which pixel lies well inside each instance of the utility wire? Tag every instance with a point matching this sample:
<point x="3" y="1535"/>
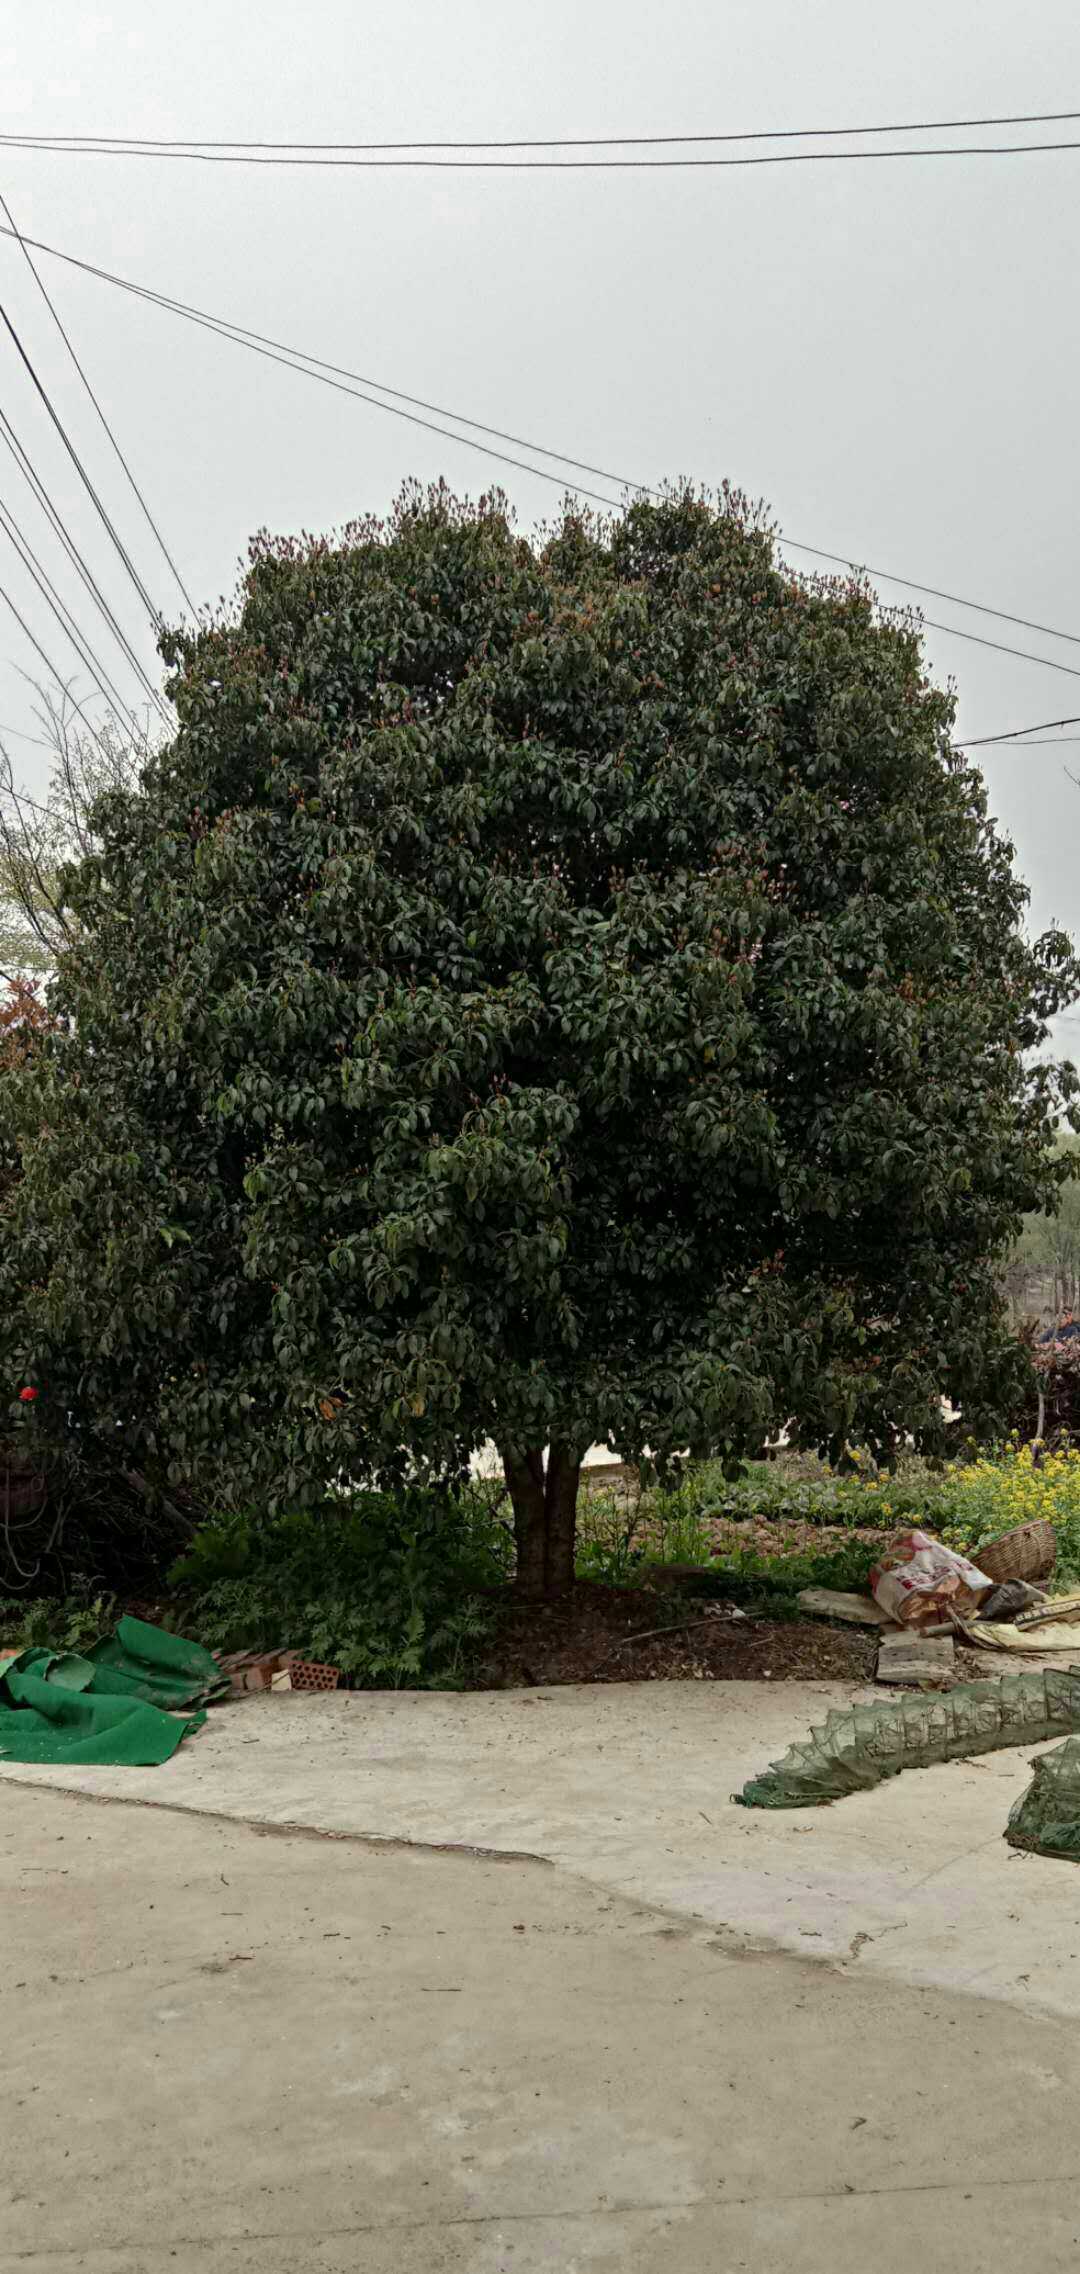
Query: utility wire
<point x="11" y="440"/>
<point x="209" y="157"/>
<point x="1013" y="733"/>
<point x="243" y="334"/>
<point x="153" y="612"/>
<point x="299" y="359"/>
<point x="551" y="142"/>
<point x="1024" y="653"/>
<point x="133" y="484"/>
<point x="58" y="608"/>
<point x="310" y="367"/>
<point x="934" y="592"/>
<point x="288" y="357"/>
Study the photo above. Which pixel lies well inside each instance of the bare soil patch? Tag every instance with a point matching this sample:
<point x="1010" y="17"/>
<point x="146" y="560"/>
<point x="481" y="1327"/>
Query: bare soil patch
<point x="589" y="1637"/>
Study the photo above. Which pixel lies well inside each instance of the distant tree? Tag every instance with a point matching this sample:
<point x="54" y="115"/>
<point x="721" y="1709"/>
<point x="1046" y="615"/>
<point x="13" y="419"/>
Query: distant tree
<point x="545" y="993"/>
<point x="42" y="835"/>
<point x="1043" y="1269"/>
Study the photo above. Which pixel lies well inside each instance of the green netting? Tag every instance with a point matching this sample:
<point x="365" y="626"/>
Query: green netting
<point x="1046" y="1818"/>
<point x="857" y="1749"/>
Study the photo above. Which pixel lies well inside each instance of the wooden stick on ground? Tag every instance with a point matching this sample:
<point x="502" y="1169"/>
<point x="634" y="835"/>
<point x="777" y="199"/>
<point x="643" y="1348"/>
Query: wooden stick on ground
<point x="649" y="1634"/>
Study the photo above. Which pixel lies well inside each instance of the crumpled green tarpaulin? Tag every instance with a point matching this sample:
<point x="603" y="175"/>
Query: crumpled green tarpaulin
<point x="118" y="1705"/>
<point x="141" y="1661"/>
<point x="856" y="1749"/>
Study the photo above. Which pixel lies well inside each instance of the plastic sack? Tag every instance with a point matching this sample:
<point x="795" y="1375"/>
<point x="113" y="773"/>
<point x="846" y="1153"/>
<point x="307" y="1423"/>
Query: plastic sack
<point x="1046" y="1818"/>
<point x="1013" y="1596"/>
<point x="919" y="1578"/>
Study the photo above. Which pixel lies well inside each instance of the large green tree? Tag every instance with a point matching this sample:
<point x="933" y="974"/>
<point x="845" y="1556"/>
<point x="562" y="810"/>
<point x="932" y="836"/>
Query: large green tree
<point x="547" y="992"/>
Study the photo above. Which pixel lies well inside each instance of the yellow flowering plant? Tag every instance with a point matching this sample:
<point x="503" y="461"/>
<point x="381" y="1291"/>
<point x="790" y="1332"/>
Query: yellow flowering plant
<point x="997" y="1491"/>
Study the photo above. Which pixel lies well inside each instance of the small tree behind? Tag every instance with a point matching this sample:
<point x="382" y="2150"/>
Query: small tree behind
<point x="41" y="838"/>
<point x="1042" y="1272"/>
<point x="548" y="994"/>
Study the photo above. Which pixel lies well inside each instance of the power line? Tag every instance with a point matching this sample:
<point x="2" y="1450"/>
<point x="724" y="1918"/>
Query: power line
<point x="243" y="334"/>
<point x="1012" y="734"/>
<point x="133" y="484"/>
<point x="208" y="157"/>
<point x="88" y="485"/>
<point x="934" y="592"/>
<point x="1024" y="653"/>
<point x="37" y="487"/>
<point x="64" y="617"/>
<point x="553" y="142"/>
<point x="549" y="142"/>
<point x="9" y="788"/>
<point x="300" y="359"/>
<point x="312" y="367"/>
<point x="289" y="359"/>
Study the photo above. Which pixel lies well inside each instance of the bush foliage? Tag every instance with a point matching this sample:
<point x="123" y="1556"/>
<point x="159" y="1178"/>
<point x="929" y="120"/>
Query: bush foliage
<point x="386" y="1588"/>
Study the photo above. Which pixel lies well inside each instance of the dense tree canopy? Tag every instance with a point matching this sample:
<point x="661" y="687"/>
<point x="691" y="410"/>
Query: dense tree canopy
<point x="547" y="992"/>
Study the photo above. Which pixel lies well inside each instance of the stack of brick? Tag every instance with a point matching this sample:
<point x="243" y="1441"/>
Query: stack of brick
<point x="276" y="1670"/>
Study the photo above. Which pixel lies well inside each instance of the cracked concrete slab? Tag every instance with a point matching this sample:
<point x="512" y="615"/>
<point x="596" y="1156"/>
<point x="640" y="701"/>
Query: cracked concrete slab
<point x="229" y="2054"/>
<point x="629" y="1788"/>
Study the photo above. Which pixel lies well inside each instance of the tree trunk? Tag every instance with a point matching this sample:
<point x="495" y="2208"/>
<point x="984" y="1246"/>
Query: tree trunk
<point x="524" y="1474"/>
<point x="545" y="1518"/>
<point x="560" y="1514"/>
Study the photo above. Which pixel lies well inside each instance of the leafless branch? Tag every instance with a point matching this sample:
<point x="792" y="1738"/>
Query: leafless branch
<point x="39" y="838"/>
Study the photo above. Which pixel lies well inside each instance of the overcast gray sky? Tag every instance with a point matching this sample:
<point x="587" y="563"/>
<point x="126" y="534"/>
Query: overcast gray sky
<point x="887" y="353"/>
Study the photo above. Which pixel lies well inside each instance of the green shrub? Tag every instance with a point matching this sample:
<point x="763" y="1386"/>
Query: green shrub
<point x="72" y="1622"/>
<point x="389" y="1588"/>
<point x="802" y="1489"/>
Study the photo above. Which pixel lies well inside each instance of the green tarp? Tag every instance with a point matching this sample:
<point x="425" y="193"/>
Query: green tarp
<point x="141" y="1661"/>
<point x="124" y="1703"/>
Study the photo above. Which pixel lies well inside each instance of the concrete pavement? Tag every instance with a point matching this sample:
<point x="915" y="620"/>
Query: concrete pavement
<point x="628" y="1789"/>
<point x="230" y="2051"/>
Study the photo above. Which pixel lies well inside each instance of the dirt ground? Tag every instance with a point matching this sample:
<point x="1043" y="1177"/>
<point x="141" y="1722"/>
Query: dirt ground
<point x="774" y="1536"/>
<point x="609" y="1634"/>
<point x="662" y="1632"/>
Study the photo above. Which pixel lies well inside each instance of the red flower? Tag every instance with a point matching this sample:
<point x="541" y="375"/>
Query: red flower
<point x="26" y="1397"/>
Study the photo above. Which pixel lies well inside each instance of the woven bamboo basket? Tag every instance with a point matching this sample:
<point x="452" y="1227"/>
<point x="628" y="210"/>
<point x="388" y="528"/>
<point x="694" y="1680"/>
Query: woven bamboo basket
<point x="1029" y="1552"/>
